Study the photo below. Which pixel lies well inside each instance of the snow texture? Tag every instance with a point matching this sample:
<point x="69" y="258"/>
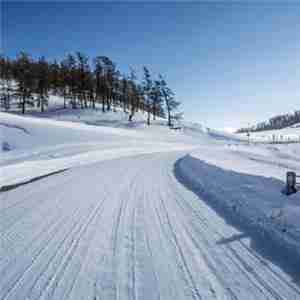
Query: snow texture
<point x="94" y="207"/>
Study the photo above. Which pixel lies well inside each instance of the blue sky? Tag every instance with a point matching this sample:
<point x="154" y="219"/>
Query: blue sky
<point x="230" y="64"/>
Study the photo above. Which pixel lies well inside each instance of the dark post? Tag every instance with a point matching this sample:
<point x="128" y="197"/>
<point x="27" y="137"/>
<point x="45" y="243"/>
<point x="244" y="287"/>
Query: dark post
<point x="291" y="183"/>
<point x="248" y="135"/>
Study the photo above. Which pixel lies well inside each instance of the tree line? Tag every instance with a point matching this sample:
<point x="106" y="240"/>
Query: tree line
<point x="277" y="122"/>
<point x="83" y="84"/>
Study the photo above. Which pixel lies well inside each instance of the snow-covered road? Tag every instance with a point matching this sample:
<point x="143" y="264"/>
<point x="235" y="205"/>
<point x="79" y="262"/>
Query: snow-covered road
<point x="127" y="229"/>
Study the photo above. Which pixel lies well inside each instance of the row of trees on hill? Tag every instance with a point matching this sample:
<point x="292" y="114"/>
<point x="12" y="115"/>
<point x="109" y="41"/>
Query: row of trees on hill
<point x="83" y="84"/>
<point x="277" y="122"/>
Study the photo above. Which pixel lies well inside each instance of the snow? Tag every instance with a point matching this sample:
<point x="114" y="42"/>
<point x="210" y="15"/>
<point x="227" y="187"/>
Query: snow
<point x="265" y="164"/>
<point x="40" y="146"/>
<point x="285" y="135"/>
<point x="257" y="200"/>
<point x="95" y="207"/>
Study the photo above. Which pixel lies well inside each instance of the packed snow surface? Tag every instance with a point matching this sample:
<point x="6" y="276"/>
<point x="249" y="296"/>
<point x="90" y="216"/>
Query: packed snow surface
<point x="94" y="207"/>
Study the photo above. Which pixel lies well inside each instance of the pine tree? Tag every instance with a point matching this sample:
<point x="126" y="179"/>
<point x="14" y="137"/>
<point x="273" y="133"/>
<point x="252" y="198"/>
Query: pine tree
<point x="83" y="70"/>
<point x="132" y="94"/>
<point x="71" y="79"/>
<point x="6" y="76"/>
<point x="103" y="70"/>
<point x="64" y="80"/>
<point x="54" y="76"/>
<point x="156" y="96"/>
<point x="147" y="89"/>
<point x="43" y="82"/>
<point x="99" y="77"/>
<point x="90" y="85"/>
<point x="171" y="103"/>
<point x="25" y="80"/>
<point x="110" y="69"/>
<point x="124" y="93"/>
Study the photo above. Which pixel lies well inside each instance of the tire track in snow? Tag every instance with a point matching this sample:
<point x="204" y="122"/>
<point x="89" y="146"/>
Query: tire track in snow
<point x="150" y="239"/>
<point x="27" y="205"/>
<point x="15" y="235"/>
<point x="148" y="275"/>
<point x="247" y="268"/>
<point x="168" y="284"/>
<point x="29" y="194"/>
<point x="96" y="218"/>
<point x="106" y="281"/>
<point x="195" y="292"/>
<point x="201" y="235"/>
<point x="126" y="244"/>
<point x="41" y="209"/>
<point x="62" y="258"/>
<point x="114" y="235"/>
<point x="165" y="196"/>
<point x="214" y="270"/>
<point x="49" y="290"/>
<point x="190" y="282"/>
<point x="12" y="281"/>
<point x="76" y="218"/>
<point x="49" y="224"/>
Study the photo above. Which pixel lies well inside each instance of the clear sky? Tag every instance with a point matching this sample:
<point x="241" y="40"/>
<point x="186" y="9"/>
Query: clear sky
<point x="229" y="64"/>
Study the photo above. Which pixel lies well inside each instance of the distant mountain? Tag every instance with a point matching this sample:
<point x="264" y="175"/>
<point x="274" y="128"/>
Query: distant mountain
<point x="277" y="122"/>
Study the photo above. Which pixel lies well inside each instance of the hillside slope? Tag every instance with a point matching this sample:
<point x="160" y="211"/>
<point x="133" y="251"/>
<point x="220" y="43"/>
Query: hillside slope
<point x="125" y="213"/>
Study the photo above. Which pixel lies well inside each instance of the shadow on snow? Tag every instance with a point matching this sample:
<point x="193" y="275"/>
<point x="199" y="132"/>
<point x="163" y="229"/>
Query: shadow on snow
<point x="224" y="191"/>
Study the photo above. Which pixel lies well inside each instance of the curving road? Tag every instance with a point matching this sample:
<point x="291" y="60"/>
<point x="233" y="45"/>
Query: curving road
<point x="126" y="229"/>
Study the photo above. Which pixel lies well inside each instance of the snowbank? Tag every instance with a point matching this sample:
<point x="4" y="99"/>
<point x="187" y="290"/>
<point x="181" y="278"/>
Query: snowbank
<point x="284" y="135"/>
<point x="254" y="202"/>
<point x="32" y="147"/>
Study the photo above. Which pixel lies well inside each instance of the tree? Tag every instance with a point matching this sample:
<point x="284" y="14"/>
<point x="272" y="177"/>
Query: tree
<point x="156" y="96"/>
<point x="98" y="72"/>
<point x="43" y="82"/>
<point x="25" y="79"/>
<point x="110" y="77"/>
<point x="6" y="76"/>
<point x="104" y="70"/>
<point x="276" y="122"/>
<point x="147" y="89"/>
<point x="64" y="80"/>
<point x="90" y="85"/>
<point x="54" y="76"/>
<point x="124" y="93"/>
<point x="83" y="71"/>
<point x="171" y="103"/>
<point x="116" y="88"/>
<point x="71" y="81"/>
<point x="132" y="94"/>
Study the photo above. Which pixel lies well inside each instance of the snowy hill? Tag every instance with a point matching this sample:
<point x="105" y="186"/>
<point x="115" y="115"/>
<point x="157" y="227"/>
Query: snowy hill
<point x="43" y="145"/>
<point x="95" y="206"/>
<point x="284" y="135"/>
<point x="62" y="138"/>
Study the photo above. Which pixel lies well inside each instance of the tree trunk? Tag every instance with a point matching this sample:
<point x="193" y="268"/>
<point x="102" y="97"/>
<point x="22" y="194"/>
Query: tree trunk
<point x="148" y="117"/>
<point x="23" y="104"/>
<point x="103" y="104"/>
<point x="131" y="112"/>
<point x="85" y="103"/>
<point x="108" y="104"/>
<point x="7" y="104"/>
<point x="42" y="105"/>
<point x="64" y="100"/>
